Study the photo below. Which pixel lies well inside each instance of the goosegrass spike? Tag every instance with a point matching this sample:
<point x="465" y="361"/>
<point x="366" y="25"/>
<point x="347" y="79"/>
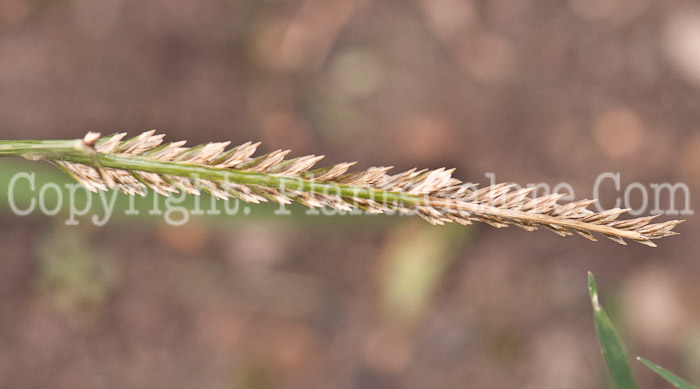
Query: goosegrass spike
<point x="144" y="161"/>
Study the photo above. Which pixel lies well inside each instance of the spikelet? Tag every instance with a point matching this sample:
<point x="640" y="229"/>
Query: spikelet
<point x="434" y="195"/>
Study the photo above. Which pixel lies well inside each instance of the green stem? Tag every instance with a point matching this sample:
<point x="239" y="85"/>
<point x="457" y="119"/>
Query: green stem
<point x="37" y="149"/>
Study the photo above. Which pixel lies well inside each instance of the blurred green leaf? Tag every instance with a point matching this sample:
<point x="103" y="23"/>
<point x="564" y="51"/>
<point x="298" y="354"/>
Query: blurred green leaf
<point x="614" y="352"/>
<point x="670" y="377"/>
<point x="414" y="261"/>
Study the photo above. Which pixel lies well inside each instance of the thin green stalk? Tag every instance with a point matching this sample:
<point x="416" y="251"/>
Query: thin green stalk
<point x="39" y="149"/>
<point x="675" y="380"/>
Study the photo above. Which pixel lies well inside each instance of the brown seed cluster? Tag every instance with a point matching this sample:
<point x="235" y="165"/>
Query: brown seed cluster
<point x="434" y="195"/>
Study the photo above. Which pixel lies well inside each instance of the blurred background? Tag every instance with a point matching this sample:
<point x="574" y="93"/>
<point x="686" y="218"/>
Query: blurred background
<point x="541" y="91"/>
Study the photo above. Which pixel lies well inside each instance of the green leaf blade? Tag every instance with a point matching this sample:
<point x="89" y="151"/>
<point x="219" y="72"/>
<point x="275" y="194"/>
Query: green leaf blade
<point x="614" y="352"/>
<point x="667" y="375"/>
